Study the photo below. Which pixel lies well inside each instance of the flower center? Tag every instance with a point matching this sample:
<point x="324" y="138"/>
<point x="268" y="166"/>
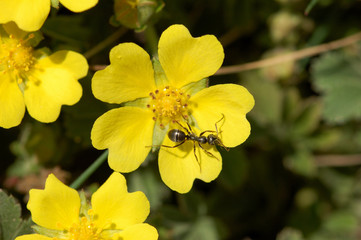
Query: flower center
<point x="85" y="230"/>
<point x="168" y="104"/>
<point x="16" y="57"/>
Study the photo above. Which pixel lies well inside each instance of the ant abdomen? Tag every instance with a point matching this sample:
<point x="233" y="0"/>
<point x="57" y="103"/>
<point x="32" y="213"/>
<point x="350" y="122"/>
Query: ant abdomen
<point x="176" y="135"/>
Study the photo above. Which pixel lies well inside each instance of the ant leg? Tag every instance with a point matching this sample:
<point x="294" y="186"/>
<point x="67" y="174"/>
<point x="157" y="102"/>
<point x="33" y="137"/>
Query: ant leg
<point x="220" y="143"/>
<point x="215" y="127"/>
<point x="177" y="145"/>
<point x="209" y="153"/>
<point x="188" y="131"/>
<point x="207" y="131"/>
<point x="218" y="122"/>
<point x="194" y="151"/>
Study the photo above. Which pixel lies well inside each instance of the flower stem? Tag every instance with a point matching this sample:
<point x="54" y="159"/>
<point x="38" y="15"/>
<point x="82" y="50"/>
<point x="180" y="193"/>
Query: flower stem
<point x="106" y="42"/>
<point x="90" y="170"/>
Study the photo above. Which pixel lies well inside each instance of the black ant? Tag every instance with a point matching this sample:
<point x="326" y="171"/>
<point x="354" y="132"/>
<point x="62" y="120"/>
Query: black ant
<point x="180" y="137"/>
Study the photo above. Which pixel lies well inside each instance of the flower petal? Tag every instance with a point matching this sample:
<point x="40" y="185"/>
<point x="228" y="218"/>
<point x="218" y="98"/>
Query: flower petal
<point x="13" y="30"/>
<point x="129" y="76"/>
<point x="74" y="62"/>
<point x="179" y="167"/>
<point x="211" y="163"/>
<point x="28" y="15"/>
<point x="232" y="101"/>
<point x="33" y="237"/>
<point x="54" y="82"/>
<point x="12" y="106"/>
<point x="139" y="231"/>
<point x="78" y="5"/>
<point x="116" y="208"/>
<point x="56" y="207"/>
<point x="126" y="131"/>
<point x="186" y="59"/>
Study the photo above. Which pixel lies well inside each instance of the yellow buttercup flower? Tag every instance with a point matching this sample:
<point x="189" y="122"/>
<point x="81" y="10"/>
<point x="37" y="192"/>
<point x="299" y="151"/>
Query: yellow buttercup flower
<point x="30" y="78"/>
<point x="163" y="96"/>
<point x="113" y="213"/>
<point x="30" y="15"/>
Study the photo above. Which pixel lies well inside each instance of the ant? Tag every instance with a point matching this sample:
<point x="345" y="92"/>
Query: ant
<point x="180" y="137"/>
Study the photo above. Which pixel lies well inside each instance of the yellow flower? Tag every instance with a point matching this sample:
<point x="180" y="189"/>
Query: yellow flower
<point x="113" y="213"/>
<point x="173" y="89"/>
<point x="30" y="15"/>
<point x="30" y="78"/>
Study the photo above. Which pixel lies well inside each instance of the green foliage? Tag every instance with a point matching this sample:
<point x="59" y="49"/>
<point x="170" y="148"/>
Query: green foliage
<point x="79" y="119"/>
<point x="290" y="234"/>
<point x="289" y="119"/>
<point x="11" y="224"/>
<point x="235" y="170"/>
<point x="337" y="77"/>
<point x="146" y="180"/>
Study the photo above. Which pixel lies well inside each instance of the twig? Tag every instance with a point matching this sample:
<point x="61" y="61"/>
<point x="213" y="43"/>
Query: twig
<point x="303" y="53"/>
<point x="338" y="160"/>
<point x="293" y="56"/>
<point x="106" y="42"/>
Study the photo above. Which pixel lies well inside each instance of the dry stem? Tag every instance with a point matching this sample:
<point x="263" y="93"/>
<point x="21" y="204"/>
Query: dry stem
<point x="303" y="53"/>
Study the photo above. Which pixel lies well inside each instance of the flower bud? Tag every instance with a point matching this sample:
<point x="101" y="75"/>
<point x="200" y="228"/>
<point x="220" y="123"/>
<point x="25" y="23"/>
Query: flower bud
<point x="135" y="14"/>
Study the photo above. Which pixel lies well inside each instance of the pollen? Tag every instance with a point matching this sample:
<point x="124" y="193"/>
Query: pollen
<point x="168" y="104"/>
<point x="16" y="57"/>
<point x="84" y="230"/>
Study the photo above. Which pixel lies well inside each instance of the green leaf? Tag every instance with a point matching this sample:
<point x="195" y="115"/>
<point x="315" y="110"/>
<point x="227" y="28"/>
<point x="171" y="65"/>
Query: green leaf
<point x="309" y="119"/>
<point x="11" y="224"/>
<point x="268" y="98"/>
<point x="337" y="77"/>
<point x="301" y="162"/>
<point x="235" y="169"/>
<point x="203" y="229"/>
<point x="147" y="181"/>
<point x="342" y="221"/>
<point x="310" y="6"/>
<point x="324" y="140"/>
<point x="341" y="185"/>
<point x="292" y="100"/>
<point x="68" y="30"/>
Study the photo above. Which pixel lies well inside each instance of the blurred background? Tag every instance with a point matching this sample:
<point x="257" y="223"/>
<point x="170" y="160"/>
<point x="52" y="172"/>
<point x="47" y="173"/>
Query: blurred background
<point x="296" y="177"/>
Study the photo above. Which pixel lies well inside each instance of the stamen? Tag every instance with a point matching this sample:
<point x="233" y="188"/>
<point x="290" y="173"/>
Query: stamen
<point x="85" y="229"/>
<point x="169" y="104"/>
<point x="17" y="58"/>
